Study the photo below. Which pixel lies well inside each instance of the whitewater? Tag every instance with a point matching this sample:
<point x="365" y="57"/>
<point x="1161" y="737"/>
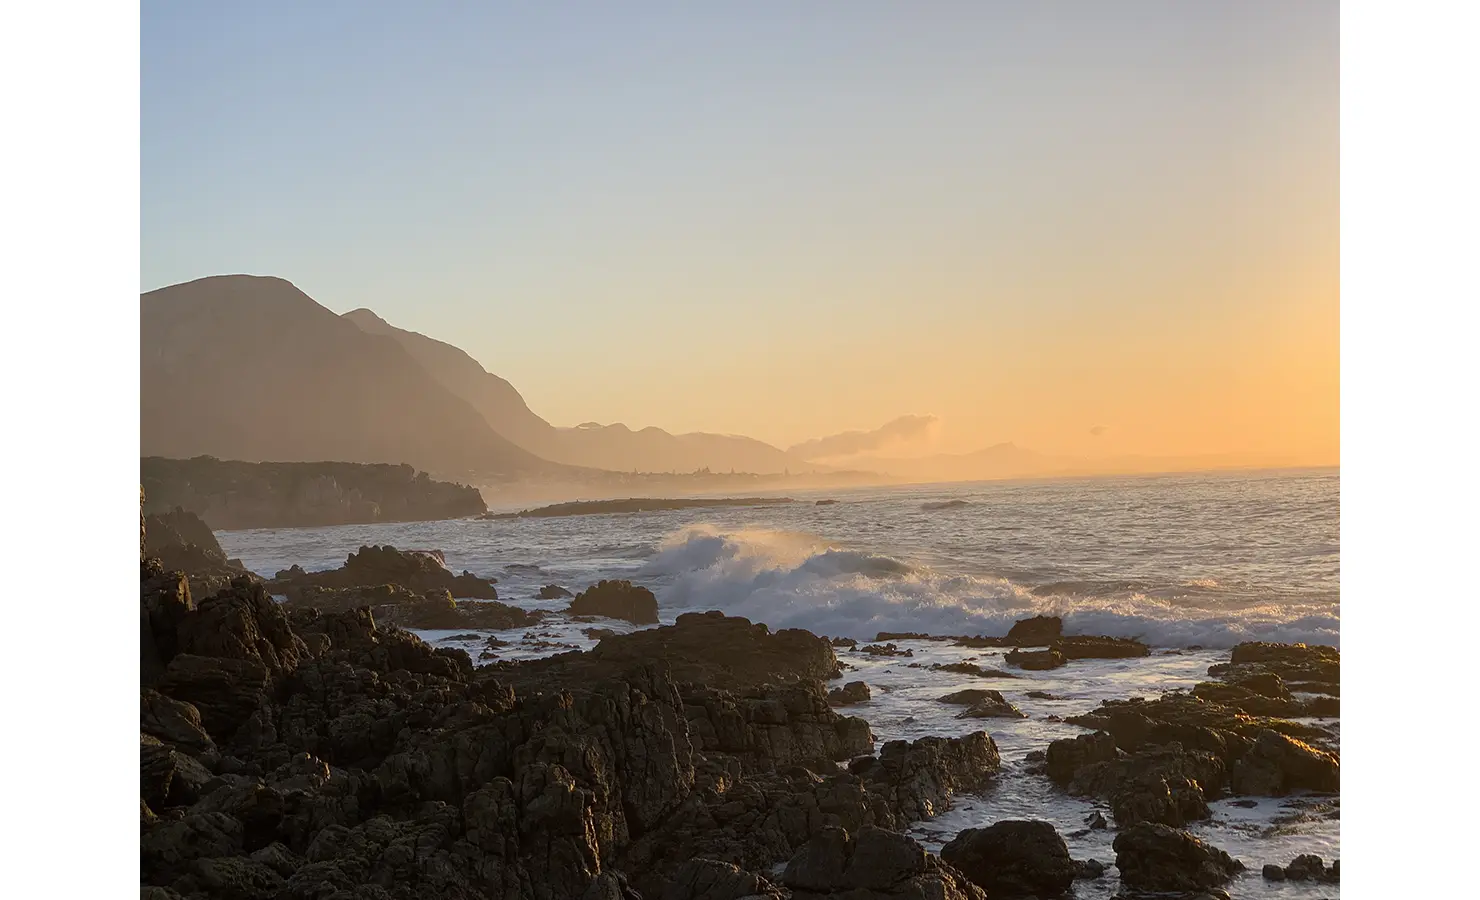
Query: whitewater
<point x="1190" y="564"/>
<point x="1177" y="561"/>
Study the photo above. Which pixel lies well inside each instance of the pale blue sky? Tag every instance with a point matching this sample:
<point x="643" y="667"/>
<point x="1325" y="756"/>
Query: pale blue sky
<point x="773" y="218"/>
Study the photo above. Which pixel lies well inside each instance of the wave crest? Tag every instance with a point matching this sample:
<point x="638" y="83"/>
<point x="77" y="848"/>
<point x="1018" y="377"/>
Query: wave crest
<point x="791" y="580"/>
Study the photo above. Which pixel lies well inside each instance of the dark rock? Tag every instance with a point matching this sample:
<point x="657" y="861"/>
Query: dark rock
<point x="1041" y="695"/>
<point x="884" y="650"/>
<point x="1278" y="764"/>
<point x="392" y="604"/>
<point x="883" y="636"/>
<point x="225" y="691"/>
<point x="1273" y="872"/>
<point x="1154" y="857"/>
<point x="966" y="668"/>
<point x="553" y="592"/>
<point x="617" y="600"/>
<point x="373" y="567"/>
<point x="991" y="705"/>
<point x="969" y="696"/>
<point x="1013" y="859"/>
<point x="1309" y="867"/>
<point x="1035" y="660"/>
<point x="875" y="864"/>
<point x="1067" y="756"/>
<point x="1093" y="647"/>
<point x="173" y="722"/>
<point x="1088" y="869"/>
<point x="1039" y="631"/>
<point x="852" y="692"/>
<point x="1096" y="821"/>
<point x="708" y="879"/>
<point x="1154" y="797"/>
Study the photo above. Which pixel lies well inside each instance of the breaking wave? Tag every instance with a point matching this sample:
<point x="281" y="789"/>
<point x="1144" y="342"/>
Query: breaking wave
<point x="794" y="580"/>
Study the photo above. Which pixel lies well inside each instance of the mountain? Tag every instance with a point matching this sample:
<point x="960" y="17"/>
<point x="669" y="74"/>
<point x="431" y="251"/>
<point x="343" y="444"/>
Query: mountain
<point x="613" y="447"/>
<point x="251" y="368"/>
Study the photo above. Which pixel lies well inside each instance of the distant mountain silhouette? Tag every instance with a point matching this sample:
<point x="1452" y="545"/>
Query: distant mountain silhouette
<point x="251" y="368"/>
<point x="613" y="447"/>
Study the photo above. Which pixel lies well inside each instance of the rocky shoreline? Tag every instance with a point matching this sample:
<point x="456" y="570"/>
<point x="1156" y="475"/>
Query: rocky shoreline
<point x="314" y="749"/>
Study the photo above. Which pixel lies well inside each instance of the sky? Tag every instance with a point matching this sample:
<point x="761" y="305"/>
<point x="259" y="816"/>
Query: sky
<point x="1083" y="227"/>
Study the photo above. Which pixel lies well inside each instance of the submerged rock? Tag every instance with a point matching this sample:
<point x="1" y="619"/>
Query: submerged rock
<point x="553" y="592"/>
<point x="394" y="605"/>
<point x="1094" y="647"/>
<point x="617" y="599"/>
<point x="966" y="668"/>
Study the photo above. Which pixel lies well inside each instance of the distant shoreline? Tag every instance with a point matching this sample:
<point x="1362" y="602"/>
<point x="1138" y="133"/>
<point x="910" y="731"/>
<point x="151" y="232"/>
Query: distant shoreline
<point x="633" y="505"/>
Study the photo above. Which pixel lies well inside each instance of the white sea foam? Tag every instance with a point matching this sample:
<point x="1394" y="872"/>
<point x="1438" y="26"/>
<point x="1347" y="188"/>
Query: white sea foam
<point x="794" y="580"/>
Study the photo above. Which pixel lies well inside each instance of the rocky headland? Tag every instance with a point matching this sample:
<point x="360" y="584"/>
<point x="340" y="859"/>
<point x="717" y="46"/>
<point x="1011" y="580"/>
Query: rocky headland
<point x="314" y="748"/>
<point x="229" y="494"/>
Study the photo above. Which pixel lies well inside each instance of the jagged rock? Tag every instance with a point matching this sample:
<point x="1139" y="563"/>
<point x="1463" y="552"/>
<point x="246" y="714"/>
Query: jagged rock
<point x="1013" y="859"/>
<point x="225" y="691"/>
<point x="394" y="605"/>
<point x="242" y="623"/>
<point x="1160" y="858"/>
<point x="1035" y="660"/>
<point x="875" y="864"/>
<point x="884" y="650"/>
<point x="1278" y="764"/>
<point x="1039" y="631"/>
<point x="1088" y="869"/>
<point x="1171" y="762"/>
<point x="371" y="567"/>
<point x="173" y="722"/>
<point x="553" y="592"/>
<point x="850" y="693"/>
<point x="1263" y="652"/>
<point x="1066" y="756"/>
<point x="617" y="600"/>
<point x="1189" y="720"/>
<point x="704" y="648"/>
<point x="1154" y="797"/>
<point x="991" y="705"/>
<point x="168" y="778"/>
<point x="708" y="879"/>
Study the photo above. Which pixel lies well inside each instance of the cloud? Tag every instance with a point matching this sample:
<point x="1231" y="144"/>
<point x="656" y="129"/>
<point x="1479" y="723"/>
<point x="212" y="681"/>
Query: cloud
<point x="903" y="430"/>
<point x="1098" y="430"/>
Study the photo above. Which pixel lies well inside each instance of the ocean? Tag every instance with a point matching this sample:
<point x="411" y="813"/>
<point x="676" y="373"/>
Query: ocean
<point x="1191" y="564"/>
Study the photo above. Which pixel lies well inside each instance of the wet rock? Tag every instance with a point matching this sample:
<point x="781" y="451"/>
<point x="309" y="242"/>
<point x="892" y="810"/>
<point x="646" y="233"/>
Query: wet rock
<point x="374" y="566"/>
<point x="1140" y="771"/>
<point x="850" y="643"/>
<point x="1035" y="660"/>
<point x="966" y="668"/>
<point x="1154" y="797"/>
<point x="1039" y="631"/>
<point x="1192" y="721"/>
<point x="1013" y="859"/>
<point x="883" y="636"/>
<point x="1160" y="858"/>
<point x="852" y="692"/>
<point x="553" y="592"/>
<point x="969" y="696"/>
<point x="1096" y="821"/>
<point x="1273" y="872"/>
<point x="1088" y="869"/>
<point x="991" y="705"/>
<point x="617" y="599"/>
<point x="1263" y="652"/>
<point x="1041" y="695"/>
<point x="884" y="650"/>
<point x="1278" y="764"/>
<point x="875" y="864"/>
<point x="1094" y="647"/>
<point x="1243" y="699"/>
<point x="1067" y="756"/>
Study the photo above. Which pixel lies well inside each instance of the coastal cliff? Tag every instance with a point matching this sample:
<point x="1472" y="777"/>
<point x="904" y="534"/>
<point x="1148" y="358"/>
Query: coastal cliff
<point x="231" y="495"/>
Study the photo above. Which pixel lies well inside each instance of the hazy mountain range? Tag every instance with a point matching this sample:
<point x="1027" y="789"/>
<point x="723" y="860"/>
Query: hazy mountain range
<point x="251" y="368"/>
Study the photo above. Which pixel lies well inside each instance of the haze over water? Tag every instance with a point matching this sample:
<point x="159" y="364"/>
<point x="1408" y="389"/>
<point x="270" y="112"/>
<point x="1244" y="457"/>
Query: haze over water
<point x="1181" y="560"/>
